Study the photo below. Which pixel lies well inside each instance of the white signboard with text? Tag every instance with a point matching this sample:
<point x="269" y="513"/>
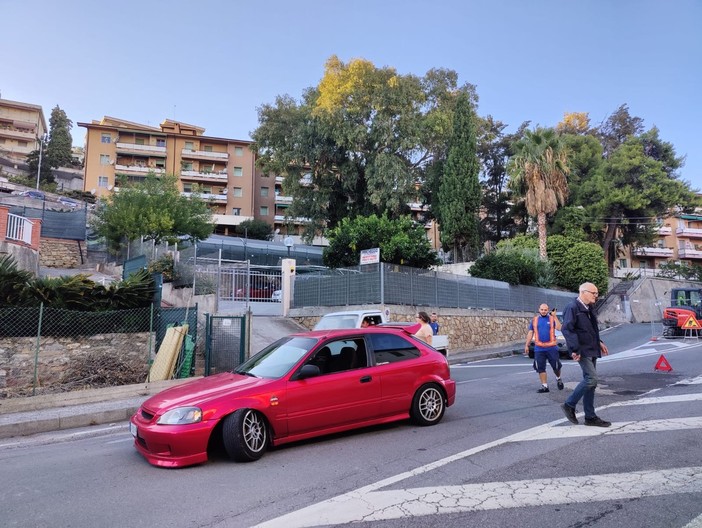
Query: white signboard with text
<point x="370" y="256"/>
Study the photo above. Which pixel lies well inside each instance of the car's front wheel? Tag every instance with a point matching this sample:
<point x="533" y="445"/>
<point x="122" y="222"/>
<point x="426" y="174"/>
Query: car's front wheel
<point x="428" y="405"/>
<point x="245" y="435"/>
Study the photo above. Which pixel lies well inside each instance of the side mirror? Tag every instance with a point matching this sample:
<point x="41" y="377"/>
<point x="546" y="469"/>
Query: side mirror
<point x="308" y="371"/>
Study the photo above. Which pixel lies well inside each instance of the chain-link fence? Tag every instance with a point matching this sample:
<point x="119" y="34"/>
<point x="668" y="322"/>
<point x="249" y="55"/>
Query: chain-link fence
<point x="394" y="284"/>
<point x="49" y="350"/>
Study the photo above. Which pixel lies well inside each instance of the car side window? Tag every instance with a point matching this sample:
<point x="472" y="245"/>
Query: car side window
<point x="391" y="348"/>
<point x="341" y="355"/>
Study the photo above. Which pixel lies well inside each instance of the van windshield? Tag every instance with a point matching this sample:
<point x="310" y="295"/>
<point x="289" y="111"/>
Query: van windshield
<point x="330" y="322"/>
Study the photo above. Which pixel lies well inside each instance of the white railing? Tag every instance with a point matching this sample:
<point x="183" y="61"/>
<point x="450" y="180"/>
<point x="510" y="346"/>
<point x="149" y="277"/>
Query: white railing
<point x="653" y="251"/>
<point x="222" y="175"/>
<point x="139" y="169"/>
<point x="689" y="231"/>
<point x="204" y="154"/>
<point x="19" y="228"/>
<point x="689" y="253"/>
<point x="141" y="148"/>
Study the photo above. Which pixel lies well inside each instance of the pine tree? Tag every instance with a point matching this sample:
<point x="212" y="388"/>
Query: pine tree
<point x="58" y="151"/>
<point x="459" y="191"/>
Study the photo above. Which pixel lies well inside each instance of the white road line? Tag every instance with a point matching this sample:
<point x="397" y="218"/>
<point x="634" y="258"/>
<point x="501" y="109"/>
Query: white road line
<point x="403" y="503"/>
<point x="367" y="503"/>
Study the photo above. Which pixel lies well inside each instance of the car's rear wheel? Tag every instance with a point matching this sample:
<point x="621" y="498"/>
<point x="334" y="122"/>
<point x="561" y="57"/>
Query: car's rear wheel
<point x="245" y="435"/>
<point x="428" y="405"/>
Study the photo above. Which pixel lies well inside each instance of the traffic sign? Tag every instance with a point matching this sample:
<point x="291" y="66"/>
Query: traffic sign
<point x="691" y="323"/>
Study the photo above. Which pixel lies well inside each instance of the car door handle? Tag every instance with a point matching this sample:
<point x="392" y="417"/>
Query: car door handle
<point x="366" y="379"/>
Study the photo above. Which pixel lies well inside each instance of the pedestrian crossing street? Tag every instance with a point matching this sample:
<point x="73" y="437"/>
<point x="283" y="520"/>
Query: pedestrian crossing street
<point x="377" y="502"/>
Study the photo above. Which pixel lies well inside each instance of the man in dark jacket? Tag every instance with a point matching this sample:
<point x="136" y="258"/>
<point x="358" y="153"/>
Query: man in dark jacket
<point x="583" y="339"/>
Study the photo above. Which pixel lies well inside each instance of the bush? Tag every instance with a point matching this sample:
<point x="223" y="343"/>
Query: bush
<point x="584" y="262"/>
<point x="510" y="266"/>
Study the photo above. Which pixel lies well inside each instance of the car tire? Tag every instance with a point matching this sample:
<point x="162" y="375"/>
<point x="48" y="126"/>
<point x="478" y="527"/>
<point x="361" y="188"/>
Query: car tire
<point x="245" y="435"/>
<point x="428" y="405"/>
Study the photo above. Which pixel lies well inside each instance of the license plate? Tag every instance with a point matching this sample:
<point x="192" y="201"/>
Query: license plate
<point x="133" y="429"/>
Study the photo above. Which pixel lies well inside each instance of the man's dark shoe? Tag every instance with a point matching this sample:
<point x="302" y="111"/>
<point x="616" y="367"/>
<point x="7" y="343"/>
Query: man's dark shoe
<point x="543" y="389"/>
<point x="560" y="384"/>
<point x="569" y="413"/>
<point x="597" y="422"/>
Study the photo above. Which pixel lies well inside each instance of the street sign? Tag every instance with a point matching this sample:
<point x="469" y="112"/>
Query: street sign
<point x="370" y="256"/>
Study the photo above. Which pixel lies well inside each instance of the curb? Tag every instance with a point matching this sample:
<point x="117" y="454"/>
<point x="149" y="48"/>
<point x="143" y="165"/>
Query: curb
<point x="70" y="410"/>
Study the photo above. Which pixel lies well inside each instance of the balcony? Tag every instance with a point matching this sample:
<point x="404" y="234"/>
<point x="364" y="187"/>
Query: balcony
<point x="691" y="232"/>
<point x="298" y="220"/>
<point x="689" y="253"/>
<point x="133" y="148"/>
<point x="664" y="230"/>
<point x="204" y="154"/>
<point x="283" y="200"/>
<point x="19" y="133"/>
<point x="653" y="252"/>
<point x="138" y="170"/>
<point x="206" y="176"/>
<point x="208" y="197"/>
<point x="231" y="220"/>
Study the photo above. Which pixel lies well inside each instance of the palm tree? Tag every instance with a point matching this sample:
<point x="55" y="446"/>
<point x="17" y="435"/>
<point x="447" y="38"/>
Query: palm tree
<point x="538" y="172"/>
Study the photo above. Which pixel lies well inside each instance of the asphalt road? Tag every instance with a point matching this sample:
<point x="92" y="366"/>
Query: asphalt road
<point x="503" y="456"/>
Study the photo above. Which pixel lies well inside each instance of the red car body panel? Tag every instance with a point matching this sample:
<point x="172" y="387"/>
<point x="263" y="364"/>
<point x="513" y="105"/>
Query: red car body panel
<point x="294" y="409"/>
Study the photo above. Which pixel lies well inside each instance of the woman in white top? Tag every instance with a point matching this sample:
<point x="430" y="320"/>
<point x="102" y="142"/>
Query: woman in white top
<point x="425" y="332"/>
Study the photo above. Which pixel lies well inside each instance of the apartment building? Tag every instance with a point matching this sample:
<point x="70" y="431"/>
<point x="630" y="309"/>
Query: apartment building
<point x="222" y="170"/>
<point x="21" y="126"/>
<point x="679" y="240"/>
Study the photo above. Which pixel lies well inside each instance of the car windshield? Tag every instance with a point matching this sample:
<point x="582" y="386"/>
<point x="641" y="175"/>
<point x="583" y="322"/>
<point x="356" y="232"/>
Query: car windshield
<point x="330" y="322"/>
<point x="277" y="359"/>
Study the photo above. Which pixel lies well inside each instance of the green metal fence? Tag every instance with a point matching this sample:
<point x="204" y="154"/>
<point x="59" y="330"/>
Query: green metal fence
<point x="49" y="350"/>
<point x="225" y="342"/>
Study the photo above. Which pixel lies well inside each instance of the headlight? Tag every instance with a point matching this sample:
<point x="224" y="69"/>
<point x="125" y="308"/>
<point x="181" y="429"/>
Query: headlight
<point x="181" y="415"/>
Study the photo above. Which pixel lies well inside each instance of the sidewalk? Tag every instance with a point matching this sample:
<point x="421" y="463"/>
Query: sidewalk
<point x="69" y="410"/>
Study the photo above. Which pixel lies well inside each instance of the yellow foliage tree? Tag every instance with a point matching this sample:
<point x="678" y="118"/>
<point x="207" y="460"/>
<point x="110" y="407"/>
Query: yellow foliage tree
<point x="574" y="123"/>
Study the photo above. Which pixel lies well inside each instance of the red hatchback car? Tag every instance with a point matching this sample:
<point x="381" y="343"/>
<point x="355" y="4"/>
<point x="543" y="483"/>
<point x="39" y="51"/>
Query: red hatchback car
<point x="304" y="385"/>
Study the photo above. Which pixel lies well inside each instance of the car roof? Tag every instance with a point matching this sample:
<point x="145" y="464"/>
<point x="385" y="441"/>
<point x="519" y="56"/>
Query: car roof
<point x="353" y="312"/>
<point x="340" y="332"/>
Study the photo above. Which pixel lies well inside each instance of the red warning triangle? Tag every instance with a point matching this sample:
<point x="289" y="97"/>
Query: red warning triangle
<point x="663" y="364"/>
<point x="691" y="323"/>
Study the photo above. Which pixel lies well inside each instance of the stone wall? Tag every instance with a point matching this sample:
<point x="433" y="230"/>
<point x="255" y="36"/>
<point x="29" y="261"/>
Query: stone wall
<point x="57" y="355"/>
<point x="58" y="253"/>
<point x="467" y="329"/>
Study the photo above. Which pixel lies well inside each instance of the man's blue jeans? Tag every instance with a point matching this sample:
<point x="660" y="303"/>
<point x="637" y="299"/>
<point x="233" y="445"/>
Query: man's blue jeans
<point x="586" y="388"/>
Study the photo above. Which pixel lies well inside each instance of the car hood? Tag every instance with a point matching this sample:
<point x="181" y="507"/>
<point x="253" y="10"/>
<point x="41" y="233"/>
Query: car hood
<point x="197" y="392"/>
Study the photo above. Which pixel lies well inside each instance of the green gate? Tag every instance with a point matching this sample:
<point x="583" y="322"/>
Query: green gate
<point x="225" y="342"/>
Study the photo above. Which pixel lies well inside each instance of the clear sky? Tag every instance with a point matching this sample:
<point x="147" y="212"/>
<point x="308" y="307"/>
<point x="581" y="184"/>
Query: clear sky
<point x="212" y="63"/>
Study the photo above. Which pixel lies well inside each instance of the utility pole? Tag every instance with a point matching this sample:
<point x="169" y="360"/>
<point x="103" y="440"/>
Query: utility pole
<point x="41" y="150"/>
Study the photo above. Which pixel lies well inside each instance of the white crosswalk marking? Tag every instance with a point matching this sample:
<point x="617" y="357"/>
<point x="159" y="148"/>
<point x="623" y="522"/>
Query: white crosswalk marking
<point x="396" y="504"/>
<point x="374" y="503"/>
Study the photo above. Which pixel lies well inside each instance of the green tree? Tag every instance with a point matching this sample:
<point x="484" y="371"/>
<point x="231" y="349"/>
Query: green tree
<point x="46" y="176"/>
<point x="58" y="150"/>
<point x="494" y="151"/>
<point x="627" y="193"/>
<point x="155" y="210"/>
<point x="539" y="170"/>
<point x="617" y="128"/>
<point x="400" y="240"/>
<point x="255" y="229"/>
<point x="584" y="262"/>
<point x="359" y="142"/>
<point x="459" y="191"/>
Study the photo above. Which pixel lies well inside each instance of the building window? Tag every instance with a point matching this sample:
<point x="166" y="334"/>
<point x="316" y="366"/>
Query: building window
<point x="139" y="141"/>
<point x="238" y="192"/>
<point x="264" y="191"/>
<point x="622" y="263"/>
<point x="188" y="187"/>
<point x="186" y="166"/>
<point x="160" y="142"/>
<point x="207" y="148"/>
<point x="264" y="210"/>
<point x="238" y="151"/>
<point x="160" y="164"/>
<point x="22" y="144"/>
<point x="105" y="138"/>
<point x="642" y="264"/>
<point x="189" y="145"/>
<point x="103" y="182"/>
<point x="206" y="189"/>
<point x="104" y="159"/>
<point x="236" y="211"/>
<point x="238" y="171"/>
